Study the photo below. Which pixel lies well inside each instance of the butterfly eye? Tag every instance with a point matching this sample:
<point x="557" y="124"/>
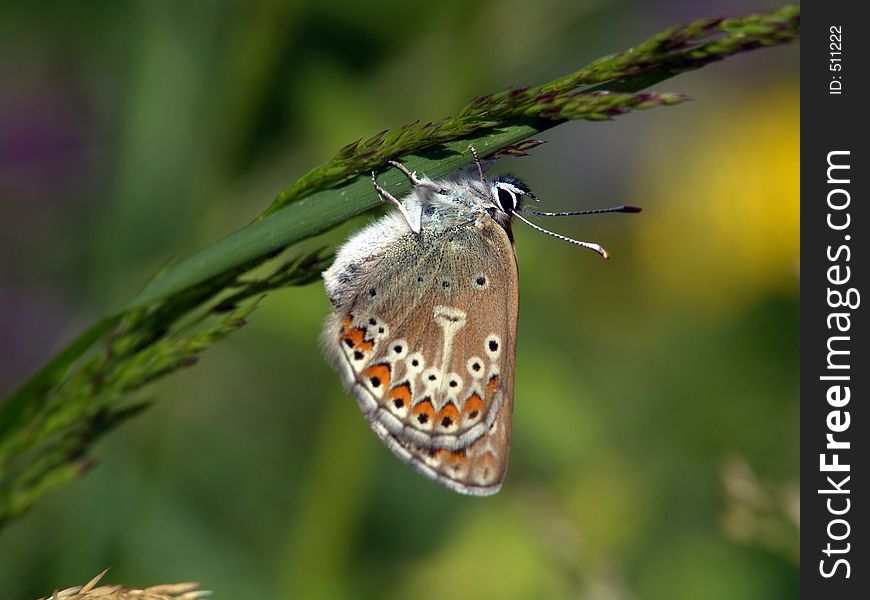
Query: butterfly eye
<point x="506" y="199"/>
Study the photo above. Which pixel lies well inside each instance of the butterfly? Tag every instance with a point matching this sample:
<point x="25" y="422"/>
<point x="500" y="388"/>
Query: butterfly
<point x="424" y="327"/>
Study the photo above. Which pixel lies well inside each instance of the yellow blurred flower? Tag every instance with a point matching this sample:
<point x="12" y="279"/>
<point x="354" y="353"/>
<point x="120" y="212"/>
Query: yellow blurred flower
<point x="722" y="225"/>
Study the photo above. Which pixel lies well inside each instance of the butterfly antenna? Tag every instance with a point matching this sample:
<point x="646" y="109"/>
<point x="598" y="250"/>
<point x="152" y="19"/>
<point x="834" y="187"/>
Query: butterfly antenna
<point x="625" y="208"/>
<point x="479" y="169"/>
<point x="592" y="246"/>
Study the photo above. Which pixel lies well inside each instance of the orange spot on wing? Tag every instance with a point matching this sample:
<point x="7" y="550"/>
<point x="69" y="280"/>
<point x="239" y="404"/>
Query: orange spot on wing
<point x="457" y="459"/>
<point x="348" y="321"/>
<point x="400" y="395"/>
<point x="492" y="386"/>
<point x="378" y="376"/>
<point x="448" y="416"/>
<point x="423" y="409"/>
<point x="473" y="406"/>
<point x="487" y="459"/>
<point x="355" y="338"/>
<point x="486" y="467"/>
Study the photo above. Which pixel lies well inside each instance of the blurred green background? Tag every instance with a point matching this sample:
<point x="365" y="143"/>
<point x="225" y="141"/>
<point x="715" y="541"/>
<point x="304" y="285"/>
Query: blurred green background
<point x="656" y="425"/>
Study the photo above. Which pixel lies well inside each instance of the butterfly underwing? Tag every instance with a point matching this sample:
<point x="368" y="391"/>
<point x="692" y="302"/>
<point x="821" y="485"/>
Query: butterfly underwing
<point x="424" y="327"/>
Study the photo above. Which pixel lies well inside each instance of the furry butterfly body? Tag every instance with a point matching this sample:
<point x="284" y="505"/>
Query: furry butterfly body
<point x="424" y="329"/>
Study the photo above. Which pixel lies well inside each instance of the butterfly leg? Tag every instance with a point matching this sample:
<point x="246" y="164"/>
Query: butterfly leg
<point x="388" y="197"/>
<point x="417" y="181"/>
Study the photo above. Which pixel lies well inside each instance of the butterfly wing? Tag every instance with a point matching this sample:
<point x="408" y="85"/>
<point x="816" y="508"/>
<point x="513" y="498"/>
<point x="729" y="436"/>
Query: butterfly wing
<point x="424" y="336"/>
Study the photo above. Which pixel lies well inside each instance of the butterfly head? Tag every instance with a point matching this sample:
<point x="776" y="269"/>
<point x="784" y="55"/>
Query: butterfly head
<point x="508" y="191"/>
